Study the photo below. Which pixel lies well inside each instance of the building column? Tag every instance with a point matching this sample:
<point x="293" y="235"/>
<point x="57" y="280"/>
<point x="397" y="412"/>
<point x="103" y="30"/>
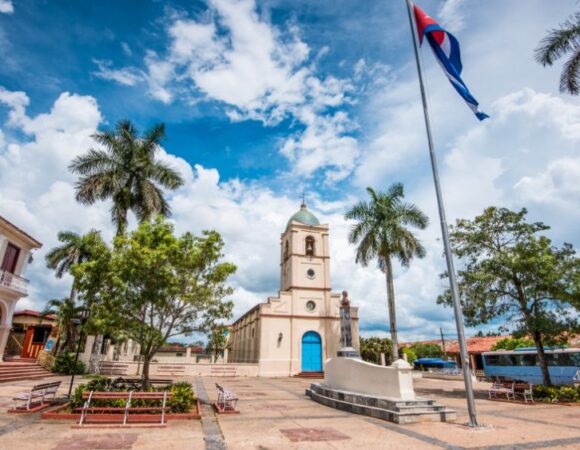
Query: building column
<point x="4" y="333"/>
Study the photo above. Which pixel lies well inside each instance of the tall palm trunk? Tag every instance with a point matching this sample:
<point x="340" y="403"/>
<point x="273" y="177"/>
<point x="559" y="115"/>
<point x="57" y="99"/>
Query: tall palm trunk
<point x="391" y="303"/>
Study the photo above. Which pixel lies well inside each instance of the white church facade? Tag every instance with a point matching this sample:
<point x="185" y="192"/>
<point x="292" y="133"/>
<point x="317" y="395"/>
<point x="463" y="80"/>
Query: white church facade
<point x="298" y="330"/>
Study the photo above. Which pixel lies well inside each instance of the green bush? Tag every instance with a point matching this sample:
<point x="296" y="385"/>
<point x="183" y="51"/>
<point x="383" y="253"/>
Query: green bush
<point x="64" y="363"/>
<point x="557" y="393"/>
<point x="183" y="397"/>
<point x="411" y="355"/>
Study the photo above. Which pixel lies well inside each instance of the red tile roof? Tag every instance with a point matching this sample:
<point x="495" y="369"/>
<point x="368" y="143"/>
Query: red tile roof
<point x="31" y="313"/>
<point x="476" y="344"/>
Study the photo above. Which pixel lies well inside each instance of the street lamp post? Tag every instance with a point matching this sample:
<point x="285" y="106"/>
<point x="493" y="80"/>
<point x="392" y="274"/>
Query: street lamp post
<point x="82" y="322"/>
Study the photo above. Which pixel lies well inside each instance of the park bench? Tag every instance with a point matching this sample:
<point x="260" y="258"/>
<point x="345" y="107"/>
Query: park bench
<point x="226" y="401"/>
<point x="499" y="388"/>
<point x="37" y="394"/>
<point x="524" y="390"/>
<point x="223" y="371"/>
<point x="123" y="411"/>
<point x="113" y="368"/>
<point x="173" y="370"/>
<point x="136" y="382"/>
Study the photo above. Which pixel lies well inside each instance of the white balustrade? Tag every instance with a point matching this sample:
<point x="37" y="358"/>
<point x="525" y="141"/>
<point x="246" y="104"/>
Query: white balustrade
<point x="14" y="282"/>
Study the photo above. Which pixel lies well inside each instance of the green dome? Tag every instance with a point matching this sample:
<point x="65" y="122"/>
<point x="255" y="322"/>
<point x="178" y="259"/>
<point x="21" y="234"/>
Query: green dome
<point x="304" y="216"/>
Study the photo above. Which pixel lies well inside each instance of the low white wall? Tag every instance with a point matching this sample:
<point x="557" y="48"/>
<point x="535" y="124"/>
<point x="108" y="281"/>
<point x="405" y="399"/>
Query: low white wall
<point x="199" y="369"/>
<point x="357" y="376"/>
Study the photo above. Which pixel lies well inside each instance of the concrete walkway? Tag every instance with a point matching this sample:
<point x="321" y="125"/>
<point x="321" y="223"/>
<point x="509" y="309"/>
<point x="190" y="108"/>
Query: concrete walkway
<point x="275" y="414"/>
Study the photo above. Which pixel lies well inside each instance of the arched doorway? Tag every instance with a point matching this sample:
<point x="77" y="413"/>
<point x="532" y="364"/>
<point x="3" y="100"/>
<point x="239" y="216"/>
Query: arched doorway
<point x="311" y="352"/>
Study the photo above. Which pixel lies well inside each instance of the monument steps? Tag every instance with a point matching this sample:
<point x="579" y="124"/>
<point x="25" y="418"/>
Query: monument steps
<point x="393" y="410"/>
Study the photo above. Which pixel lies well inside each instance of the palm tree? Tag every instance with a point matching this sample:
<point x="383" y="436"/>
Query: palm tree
<point x="126" y="171"/>
<point x="66" y="312"/>
<point x="556" y="44"/>
<point x="381" y="233"/>
<point x="74" y="249"/>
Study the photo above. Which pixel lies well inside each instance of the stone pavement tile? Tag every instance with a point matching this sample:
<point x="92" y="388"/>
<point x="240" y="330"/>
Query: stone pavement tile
<point x="498" y="429"/>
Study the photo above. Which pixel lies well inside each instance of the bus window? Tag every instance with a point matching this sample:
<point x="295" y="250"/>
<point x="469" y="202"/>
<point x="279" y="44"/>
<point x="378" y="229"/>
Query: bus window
<point x="525" y="360"/>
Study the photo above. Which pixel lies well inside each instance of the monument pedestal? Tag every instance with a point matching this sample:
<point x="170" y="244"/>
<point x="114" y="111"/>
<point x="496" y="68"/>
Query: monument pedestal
<point x="387" y="393"/>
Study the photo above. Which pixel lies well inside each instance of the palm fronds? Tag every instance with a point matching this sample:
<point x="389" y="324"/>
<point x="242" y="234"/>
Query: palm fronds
<point x="125" y="170"/>
<point x="559" y="42"/>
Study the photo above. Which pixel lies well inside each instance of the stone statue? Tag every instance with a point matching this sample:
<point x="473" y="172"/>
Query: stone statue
<point x="347" y="350"/>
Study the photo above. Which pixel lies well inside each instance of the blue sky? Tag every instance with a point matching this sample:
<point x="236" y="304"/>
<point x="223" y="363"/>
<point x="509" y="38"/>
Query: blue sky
<point x="265" y="99"/>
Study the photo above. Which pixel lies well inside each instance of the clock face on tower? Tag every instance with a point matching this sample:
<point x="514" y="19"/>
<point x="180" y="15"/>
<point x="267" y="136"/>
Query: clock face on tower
<point x="310" y="273"/>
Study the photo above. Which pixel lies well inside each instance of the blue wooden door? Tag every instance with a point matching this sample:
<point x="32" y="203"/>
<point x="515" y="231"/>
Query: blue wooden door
<point x="311" y="352"/>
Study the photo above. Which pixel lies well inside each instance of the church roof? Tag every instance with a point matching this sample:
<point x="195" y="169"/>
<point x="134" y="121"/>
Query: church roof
<point x="304" y="217"/>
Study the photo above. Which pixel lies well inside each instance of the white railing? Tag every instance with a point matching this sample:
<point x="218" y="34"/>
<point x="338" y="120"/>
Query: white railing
<point x="14" y="282"/>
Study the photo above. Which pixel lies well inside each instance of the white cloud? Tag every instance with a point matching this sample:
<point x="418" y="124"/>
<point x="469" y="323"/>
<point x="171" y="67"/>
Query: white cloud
<point x="6" y="6"/>
<point x="126" y="49"/>
<point x="127" y="76"/>
<point x="558" y="184"/>
<point x="450" y="16"/>
<point x="36" y="189"/>
<point x="257" y="71"/>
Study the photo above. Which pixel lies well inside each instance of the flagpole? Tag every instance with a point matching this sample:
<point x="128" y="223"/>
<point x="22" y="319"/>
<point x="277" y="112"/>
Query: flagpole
<point x="445" y="232"/>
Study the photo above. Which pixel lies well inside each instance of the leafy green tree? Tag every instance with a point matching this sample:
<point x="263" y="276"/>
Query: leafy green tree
<point x="66" y="312"/>
<point x="488" y="334"/>
<point x="218" y="341"/>
<point x="382" y="233"/>
<point x="508" y="271"/>
<point x="512" y="343"/>
<point x="427" y="350"/>
<point x="126" y="171"/>
<point x="154" y="285"/>
<point x="559" y="42"/>
<point x="371" y="349"/>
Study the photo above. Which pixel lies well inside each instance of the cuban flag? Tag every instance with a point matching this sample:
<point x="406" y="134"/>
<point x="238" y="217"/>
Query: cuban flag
<point x="446" y="50"/>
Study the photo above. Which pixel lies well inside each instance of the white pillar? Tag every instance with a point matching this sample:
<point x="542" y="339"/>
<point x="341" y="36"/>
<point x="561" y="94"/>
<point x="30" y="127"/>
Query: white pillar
<point x="4" y="332"/>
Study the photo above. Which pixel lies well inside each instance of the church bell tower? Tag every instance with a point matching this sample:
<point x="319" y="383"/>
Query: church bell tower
<point x="304" y="253"/>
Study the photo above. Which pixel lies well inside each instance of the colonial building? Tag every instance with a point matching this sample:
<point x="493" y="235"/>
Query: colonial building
<point x="15" y="251"/>
<point x="299" y="329"/>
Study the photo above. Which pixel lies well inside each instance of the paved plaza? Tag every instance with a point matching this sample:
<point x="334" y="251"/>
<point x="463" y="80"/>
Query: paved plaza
<point x="275" y="414"/>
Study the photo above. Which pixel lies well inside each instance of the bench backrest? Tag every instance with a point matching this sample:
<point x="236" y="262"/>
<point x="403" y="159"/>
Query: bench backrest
<point x="135" y="395"/>
<point x="47" y="387"/>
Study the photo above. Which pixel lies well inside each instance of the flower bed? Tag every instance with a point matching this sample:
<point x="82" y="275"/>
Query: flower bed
<point x="63" y="412"/>
<point x="183" y="404"/>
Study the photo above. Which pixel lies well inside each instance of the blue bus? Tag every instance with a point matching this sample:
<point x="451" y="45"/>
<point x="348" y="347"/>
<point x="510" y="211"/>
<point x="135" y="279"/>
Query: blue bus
<point x="522" y="365"/>
<point x="434" y="363"/>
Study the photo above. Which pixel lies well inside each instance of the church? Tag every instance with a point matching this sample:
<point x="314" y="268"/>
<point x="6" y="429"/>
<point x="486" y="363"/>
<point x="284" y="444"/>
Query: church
<point x="299" y="329"/>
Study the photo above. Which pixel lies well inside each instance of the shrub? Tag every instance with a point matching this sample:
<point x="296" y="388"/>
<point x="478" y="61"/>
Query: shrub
<point x="557" y="393"/>
<point x="183" y="397"/>
<point x="64" y="363"/>
<point x="411" y="355"/>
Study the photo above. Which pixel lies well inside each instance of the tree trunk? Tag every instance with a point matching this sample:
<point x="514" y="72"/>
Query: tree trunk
<point x="145" y="374"/>
<point x="96" y="355"/>
<point x="391" y="303"/>
<point x="542" y="358"/>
